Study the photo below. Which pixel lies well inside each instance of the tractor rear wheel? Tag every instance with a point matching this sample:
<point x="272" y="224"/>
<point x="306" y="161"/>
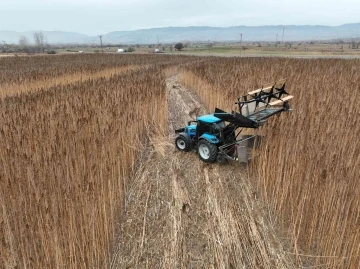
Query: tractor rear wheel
<point x="207" y="151"/>
<point x="182" y="143"/>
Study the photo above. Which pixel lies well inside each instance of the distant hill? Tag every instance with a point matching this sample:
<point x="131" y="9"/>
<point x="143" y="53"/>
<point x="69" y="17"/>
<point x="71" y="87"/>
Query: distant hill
<point x="250" y="33"/>
<point x="200" y="33"/>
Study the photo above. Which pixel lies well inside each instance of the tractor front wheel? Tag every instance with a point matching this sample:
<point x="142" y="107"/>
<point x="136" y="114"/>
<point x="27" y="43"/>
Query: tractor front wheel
<point x="182" y="143"/>
<point x="207" y="151"/>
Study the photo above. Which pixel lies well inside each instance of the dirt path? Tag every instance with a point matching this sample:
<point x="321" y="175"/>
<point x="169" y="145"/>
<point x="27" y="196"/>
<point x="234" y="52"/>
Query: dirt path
<point x="182" y="213"/>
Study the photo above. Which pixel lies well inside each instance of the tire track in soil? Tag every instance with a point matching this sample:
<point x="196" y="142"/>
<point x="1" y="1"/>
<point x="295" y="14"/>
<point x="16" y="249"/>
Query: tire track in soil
<point x="182" y="213"/>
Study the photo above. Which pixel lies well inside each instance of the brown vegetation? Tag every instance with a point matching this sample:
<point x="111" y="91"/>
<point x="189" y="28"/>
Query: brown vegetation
<point x="181" y="213"/>
<point x="24" y="74"/>
<point x="309" y="167"/>
<point x="73" y="126"/>
<point x="64" y="153"/>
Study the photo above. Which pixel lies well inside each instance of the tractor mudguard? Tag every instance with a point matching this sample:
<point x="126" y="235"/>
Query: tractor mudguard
<point x="181" y="130"/>
<point x="210" y="138"/>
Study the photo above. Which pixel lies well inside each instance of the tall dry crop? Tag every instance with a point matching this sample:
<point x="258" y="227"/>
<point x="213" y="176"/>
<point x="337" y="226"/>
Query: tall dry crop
<point x="28" y="74"/>
<point x="65" y="152"/>
<point x="308" y="169"/>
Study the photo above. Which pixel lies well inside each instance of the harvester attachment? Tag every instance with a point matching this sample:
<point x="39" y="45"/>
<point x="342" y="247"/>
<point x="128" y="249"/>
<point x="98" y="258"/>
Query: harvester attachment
<point x="243" y="149"/>
<point x="254" y="110"/>
<point x="257" y="106"/>
<point x="261" y="104"/>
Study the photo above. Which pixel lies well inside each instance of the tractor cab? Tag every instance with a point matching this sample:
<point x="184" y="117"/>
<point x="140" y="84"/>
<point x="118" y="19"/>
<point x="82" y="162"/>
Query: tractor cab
<point x="206" y="127"/>
<point x="206" y="134"/>
<point x="210" y="128"/>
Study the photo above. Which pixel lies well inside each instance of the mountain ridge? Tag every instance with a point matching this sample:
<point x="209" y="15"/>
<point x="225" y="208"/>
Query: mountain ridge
<point x="173" y="34"/>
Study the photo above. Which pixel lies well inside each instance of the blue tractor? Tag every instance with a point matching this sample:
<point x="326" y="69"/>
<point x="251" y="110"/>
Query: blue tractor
<point x="215" y="136"/>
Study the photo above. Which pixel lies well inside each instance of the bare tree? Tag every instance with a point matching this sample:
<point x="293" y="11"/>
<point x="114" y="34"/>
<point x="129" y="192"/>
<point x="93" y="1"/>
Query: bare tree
<point x="39" y="38"/>
<point x="24" y="43"/>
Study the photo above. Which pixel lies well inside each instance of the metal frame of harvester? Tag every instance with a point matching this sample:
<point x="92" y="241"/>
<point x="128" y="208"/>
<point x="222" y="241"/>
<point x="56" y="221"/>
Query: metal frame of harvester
<point x="254" y="109"/>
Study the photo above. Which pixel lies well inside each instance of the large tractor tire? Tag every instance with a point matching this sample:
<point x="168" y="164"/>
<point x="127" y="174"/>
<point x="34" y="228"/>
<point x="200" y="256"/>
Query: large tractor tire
<point x="182" y="142"/>
<point x="207" y="151"/>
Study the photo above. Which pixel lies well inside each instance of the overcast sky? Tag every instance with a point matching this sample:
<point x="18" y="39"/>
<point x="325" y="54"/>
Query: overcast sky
<point x="102" y="16"/>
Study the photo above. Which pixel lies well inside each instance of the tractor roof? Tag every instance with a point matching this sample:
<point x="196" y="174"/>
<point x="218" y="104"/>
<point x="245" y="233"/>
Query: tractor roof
<point x="209" y="118"/>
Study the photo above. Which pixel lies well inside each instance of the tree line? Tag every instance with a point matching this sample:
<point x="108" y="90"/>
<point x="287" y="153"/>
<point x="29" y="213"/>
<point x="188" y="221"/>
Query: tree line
<point x="39" y="41"/>
<point x="39" y="44"/>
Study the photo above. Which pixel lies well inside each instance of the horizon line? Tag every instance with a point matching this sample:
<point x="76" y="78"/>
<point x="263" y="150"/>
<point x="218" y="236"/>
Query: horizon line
<point x="193" y="26"/>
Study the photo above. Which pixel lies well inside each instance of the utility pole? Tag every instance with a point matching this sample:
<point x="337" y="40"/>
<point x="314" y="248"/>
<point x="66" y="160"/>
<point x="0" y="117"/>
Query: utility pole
<point x="283" y="34"/>
<point x="157" y="37"/>
<point x="277" y="34"/>
<point x="102" y="50"/>
<point x="240" y="43"/>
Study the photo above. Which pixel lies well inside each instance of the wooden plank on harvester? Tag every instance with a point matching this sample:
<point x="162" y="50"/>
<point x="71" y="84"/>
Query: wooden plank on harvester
<point x="259" y="90"/>
<point x="280" y="101"/>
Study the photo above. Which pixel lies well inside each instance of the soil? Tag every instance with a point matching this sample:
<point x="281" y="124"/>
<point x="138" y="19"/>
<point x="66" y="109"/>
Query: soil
<point x="183" y="213"/>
